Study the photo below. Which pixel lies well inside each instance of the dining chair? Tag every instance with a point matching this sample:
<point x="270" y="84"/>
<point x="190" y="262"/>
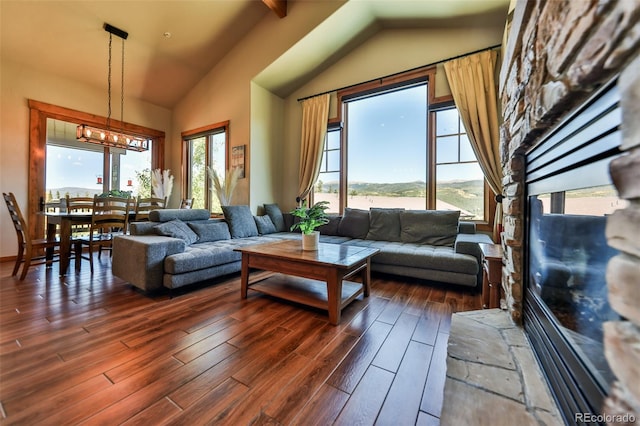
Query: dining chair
<point x="79" y="205"/>
<point x="145" y="205"/>
<point x="28" y="249"/>
<point x="109" y="217"/>
<point x="186" y="203"/>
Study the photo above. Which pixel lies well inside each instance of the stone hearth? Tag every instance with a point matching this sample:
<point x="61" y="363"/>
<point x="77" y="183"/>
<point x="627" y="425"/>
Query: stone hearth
<point x="492" y="375"/>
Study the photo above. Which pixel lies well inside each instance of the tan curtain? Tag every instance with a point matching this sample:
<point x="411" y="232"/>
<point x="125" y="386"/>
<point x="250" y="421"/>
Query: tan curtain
<point x="315" y="113"/>
<point x="473" y="86"/>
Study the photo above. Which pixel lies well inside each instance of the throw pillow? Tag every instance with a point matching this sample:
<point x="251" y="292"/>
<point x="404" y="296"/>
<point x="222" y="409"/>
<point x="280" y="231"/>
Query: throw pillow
<point x="165" y="215"/>
<point x="434" y="227"/>
<point x="240" y="220"/>
<point x="265" y="225"/>
<point x="210" y="231"/>
<point x="177" y="229"/>
<point x="274" y="212"/>
<point x="330" y="228"/>
<point x="354" y="223"/>
<point x="384" y="224"/>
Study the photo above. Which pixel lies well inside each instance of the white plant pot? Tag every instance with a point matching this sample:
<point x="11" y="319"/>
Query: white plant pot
<point x="310" y="241"/>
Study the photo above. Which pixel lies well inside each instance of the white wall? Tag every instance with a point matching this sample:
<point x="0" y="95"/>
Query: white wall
<point x="17" y="85"/>
<point x="226" y="94"/>
<point x="267" y="126"/>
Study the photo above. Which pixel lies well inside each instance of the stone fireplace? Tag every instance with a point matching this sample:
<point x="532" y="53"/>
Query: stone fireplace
<point x="557" y="55"/>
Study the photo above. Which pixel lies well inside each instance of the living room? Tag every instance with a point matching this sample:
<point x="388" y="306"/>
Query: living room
<point x="241" y="89"/>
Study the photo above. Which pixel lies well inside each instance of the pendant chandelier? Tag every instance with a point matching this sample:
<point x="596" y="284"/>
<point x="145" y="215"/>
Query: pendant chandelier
<point x="110" y="136"/>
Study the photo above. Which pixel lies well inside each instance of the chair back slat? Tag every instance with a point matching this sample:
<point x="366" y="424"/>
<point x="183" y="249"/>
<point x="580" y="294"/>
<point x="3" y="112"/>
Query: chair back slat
<point x="19" y="223"/>
<point x="29" y="251"/>
<point x="146" y="205"/>
<point x="110" y="214"/>
<point x="79" y="205"/>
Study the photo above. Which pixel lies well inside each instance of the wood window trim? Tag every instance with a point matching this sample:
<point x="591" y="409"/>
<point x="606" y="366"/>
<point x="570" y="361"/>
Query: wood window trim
<point x="192" y="134"/>
<point x="39" y="112"/>
<point x="426" y="74"/>
<point x="422" y="74"/>
<point x="485" y="225"/>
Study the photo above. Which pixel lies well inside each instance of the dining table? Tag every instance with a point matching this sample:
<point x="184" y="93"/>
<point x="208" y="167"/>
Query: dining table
<point x="60" y="222"/>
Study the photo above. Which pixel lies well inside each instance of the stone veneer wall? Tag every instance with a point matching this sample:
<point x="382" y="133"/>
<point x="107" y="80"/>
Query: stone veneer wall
<point x="557" y="53"/>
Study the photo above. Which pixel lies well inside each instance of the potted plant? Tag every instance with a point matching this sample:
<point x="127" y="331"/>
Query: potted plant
<point x="309" y="219"/>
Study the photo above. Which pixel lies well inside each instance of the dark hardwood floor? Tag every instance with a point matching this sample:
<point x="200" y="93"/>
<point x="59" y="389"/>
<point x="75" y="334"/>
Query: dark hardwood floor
<point x="94" y="350"/>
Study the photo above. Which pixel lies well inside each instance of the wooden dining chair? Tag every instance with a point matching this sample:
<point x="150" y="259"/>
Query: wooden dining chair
<point x="145" y="205"/>
<point x="109" y="217"/>
<point x="79" y="205"/>
<point x="29" y="250"/>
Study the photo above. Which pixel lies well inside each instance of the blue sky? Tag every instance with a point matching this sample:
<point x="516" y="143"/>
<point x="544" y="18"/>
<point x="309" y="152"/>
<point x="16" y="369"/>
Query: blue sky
<point x="67" y="167"/>
<point x="387" y="136"/>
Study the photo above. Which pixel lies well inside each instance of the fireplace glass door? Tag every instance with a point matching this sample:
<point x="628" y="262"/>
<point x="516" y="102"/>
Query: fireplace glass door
<point x="567" y="267"/>
<point x="569" y="196"/>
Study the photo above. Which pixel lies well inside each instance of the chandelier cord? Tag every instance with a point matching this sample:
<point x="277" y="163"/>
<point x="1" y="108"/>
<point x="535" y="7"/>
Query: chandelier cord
<point x="109" y="86"/>
<point x="122" y="92"/>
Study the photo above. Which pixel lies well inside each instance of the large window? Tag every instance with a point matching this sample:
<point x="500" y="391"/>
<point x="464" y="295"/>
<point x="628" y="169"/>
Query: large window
<point x="205" y="149"/>
<point x="79" y="169"/>
<point x="395" y="149"/>
<point x="387" y="150"/>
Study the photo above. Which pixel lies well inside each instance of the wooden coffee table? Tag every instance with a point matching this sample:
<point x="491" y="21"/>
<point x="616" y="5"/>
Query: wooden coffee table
<point x="313" y="278"/>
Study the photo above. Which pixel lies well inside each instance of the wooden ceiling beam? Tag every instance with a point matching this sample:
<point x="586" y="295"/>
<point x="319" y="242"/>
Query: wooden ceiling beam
<point x="278" y="6"/>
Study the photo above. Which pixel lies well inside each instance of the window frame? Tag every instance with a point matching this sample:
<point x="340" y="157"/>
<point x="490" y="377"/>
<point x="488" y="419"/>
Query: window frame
<point x="39" y="112"/>
<point x="433" y="142"/>
<point x="434" y="103"/>
<point x="204" y="131"/>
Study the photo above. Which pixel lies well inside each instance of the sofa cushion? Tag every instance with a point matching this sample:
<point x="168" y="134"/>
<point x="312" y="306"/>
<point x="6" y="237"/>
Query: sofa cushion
<point x="210" y="231"/>
<point x="274" y="212"/>
<point x="265" y="225"/>
<point x="330" y="228"/>
<point x="435" y="227"/>
<point x="177" y="229"/>
<point x="165" y="215"/>
<point x="354" y="223"/>
<point x="439" y="258"/>
<point x="240" y="220"/>
<point x="201" y="256"/>
<point x="384" y="224"/>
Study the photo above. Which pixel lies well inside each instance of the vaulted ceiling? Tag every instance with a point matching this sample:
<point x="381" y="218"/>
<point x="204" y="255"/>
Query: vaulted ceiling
<point x="172" y="44"/>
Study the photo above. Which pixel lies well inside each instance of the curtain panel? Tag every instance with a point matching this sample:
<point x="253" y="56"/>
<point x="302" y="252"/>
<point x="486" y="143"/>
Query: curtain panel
<point x="315" y="114"/>
<point x="473" y="86"/>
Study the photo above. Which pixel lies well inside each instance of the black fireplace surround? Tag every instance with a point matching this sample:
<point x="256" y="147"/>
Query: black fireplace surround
<point x="569" y="194"/>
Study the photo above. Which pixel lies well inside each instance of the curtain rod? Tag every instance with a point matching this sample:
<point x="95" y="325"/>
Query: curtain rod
<point x="402" y="72"/>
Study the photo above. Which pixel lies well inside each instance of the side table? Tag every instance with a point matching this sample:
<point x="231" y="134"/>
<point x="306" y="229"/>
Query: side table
<point x="492" y="274"/>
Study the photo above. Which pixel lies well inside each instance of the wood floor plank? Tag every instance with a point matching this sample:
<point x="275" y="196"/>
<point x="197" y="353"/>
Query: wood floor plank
<point x="156" y="414"/>
<point x="211" y="404"/>
<point x="403" y="400"/>
<point x="138" y="391"/>
<point x="427" y="329"/>
<point x="432" y="394"/>
<point x="91" y="349"/>
<point x="365" y="402"/>
<point x="392" y="350"/>
<point x="261" y="394"/>
<point x="353" y="367"/>
<point x="286" y="405"/>
<point x="323" y="408"/>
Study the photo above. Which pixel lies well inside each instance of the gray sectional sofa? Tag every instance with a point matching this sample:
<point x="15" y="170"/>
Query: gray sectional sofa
<point x="181" y="247"/>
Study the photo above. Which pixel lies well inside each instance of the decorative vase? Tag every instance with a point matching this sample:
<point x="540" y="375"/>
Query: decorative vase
<point x="310" y="241"/>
